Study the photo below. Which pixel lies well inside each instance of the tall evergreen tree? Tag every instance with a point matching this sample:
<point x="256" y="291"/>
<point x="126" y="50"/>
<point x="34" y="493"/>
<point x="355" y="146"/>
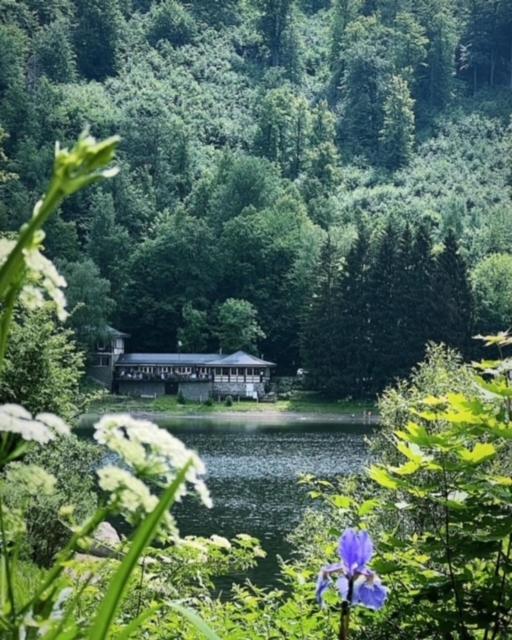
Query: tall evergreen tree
<point x="319" y="334"/>
<point x="278" y="30"/>
<point x="454" y="302"/>
<point x="352" y="342"/>
<point x="383" y="310"/>
<point x="420" y="295"/>
<point x="397" y="133"/>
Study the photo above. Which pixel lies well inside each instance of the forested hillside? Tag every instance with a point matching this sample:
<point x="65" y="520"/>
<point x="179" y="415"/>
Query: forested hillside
<point x="342" y="167"/>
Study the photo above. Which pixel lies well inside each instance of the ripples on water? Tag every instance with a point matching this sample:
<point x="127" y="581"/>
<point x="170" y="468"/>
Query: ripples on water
<point x="252" y="475"/>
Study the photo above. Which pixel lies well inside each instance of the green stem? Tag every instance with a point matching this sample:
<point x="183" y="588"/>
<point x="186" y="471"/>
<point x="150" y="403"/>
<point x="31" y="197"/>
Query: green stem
<point x="51" y="201"/>
<point x="7" y="564"/>
<point x="449" y="559"/>
<point x="345" y="612"/>
<point x="65" y="555"/>
<point x="506" y="557"/>
<point x="5" y="322"/>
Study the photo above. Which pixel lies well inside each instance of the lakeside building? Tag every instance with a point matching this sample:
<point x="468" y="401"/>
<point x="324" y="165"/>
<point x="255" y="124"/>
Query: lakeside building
<point x="197" y="376"/>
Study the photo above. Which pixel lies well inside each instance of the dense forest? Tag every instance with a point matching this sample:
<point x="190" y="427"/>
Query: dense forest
<point x="335" y="173"/>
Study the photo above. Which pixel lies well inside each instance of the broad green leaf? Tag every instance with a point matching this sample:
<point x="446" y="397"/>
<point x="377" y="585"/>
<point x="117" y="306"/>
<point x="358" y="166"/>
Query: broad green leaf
<point x="342" y="502"/>
<point x="502" y="481"/>
<point x="407" y="469"/>
<point x="368" y="506"/>
<point x="382" y="477"/>
<point x="480" y="453"/>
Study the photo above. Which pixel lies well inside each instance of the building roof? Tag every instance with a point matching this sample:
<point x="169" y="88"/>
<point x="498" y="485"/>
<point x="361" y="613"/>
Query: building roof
<point x="114" y="333"/>
<point x="238" y="359"/>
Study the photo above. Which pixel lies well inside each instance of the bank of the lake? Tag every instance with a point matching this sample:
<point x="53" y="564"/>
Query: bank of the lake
<point x="296" y="409"/>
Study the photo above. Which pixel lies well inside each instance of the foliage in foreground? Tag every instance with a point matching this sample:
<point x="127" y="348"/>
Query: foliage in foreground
<point x="151" y="458"/>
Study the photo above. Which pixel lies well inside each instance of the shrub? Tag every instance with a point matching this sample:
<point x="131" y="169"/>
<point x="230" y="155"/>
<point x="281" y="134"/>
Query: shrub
<point x="180" y="398"/>
<point x="228" y="401"/>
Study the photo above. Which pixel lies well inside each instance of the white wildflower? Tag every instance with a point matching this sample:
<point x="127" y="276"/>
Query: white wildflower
<point x="56" y="424"/>
<point x="131" y="494"/>
<point x="152" y="452"/>
<point x="15" y="419"/>
<point x="42" y="278"/>
<point x="220" y="541"/>
<point x="34" y="480"/>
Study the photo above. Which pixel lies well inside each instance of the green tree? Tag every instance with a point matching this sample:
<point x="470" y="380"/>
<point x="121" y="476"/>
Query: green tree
<point x="277" y="29"/>
<point x="237" y="326"/>
<point x="384" y="310"/>
<point x="491" y="280"/>
<point x="89" y="301"/>
<point x="170" y="21"/>
<point x="365" y="81"/>
<point x="353" y="344"/>
<point x="320" y="327"/>
<point x="99" y="24"/>
<point x="397" y="133"/>
<point x="436" y="81"/>
<point x="178" y="264"/>
<point x="55" y="53"/>
<point x="283" y="129"/>
<point x="454" y="300"/>
<point x="43" y="367"/>
<point x="194" y="332"/>
<point x="108" y="242"/>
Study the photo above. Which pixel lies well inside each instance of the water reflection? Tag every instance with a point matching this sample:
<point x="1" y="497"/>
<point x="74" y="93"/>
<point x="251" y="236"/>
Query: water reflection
<point x="252" y="474"/>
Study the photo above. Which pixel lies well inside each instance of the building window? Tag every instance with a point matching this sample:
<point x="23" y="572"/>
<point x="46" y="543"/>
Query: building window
<point x="102" y="361"/>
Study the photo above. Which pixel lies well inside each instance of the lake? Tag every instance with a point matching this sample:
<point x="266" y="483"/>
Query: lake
<point x="253" y="468"/>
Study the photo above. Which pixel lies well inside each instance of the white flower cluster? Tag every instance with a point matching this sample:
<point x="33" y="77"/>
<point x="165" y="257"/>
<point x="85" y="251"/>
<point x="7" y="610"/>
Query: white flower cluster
<point x="43" y="428"/>
<point x="42" y="279"/>
<point x="153" y="454"/>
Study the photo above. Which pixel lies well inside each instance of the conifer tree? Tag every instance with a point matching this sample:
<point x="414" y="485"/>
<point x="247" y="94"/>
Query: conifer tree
<point x="453" y="298"/>
<point x="352" y="342"/>
<point x="397" y="133"/>
<point x="319" y="334"/>
<point x="421" y="308"/>
<point x="383" y="311"/>
<point x="278" y="31"/>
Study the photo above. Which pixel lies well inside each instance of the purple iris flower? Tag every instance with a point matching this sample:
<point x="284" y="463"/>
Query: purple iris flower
<point x="356" y="583"/>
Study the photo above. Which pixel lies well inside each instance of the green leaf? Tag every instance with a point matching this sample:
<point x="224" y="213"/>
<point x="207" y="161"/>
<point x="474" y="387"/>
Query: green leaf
<point x="198" y="623"/>
<point x="382" y="477"/>
<point x="407" y="469"/>
<point x="130" y="629"/>
<point x="368" y="506"/>
<point x="342" y="502"/>
<point x="480" y="453"/>
<point x="143" y="536"/>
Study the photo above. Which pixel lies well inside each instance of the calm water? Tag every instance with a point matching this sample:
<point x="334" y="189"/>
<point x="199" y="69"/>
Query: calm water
<point x="252" y="474"/>
<point x="253" y="467"/>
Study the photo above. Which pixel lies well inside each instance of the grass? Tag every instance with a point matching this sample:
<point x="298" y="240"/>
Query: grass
<point x="302" y="402"/>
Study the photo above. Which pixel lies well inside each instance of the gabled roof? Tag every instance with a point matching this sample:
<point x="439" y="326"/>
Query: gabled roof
<point x="238" y="359"/>
<point x="114" y="333"/>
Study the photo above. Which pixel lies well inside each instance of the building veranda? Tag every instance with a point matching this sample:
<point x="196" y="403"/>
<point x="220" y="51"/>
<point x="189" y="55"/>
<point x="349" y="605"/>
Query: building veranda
<point x="196" y="376"/>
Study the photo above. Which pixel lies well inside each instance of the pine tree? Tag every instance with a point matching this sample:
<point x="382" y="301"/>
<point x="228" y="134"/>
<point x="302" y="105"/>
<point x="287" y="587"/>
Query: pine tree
<point x="453" y="298"/>
<point x="397" y="134"/>
<point x="277" y="26"/>
<point x="319" y="327"/>
<point x="383" y="311"/>
<point x="352" y="339"/>
<point x="420" y="307"/>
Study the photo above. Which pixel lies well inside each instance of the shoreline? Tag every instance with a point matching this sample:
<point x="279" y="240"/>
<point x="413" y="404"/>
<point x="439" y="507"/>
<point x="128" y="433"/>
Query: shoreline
<point x="269" y="417"/>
